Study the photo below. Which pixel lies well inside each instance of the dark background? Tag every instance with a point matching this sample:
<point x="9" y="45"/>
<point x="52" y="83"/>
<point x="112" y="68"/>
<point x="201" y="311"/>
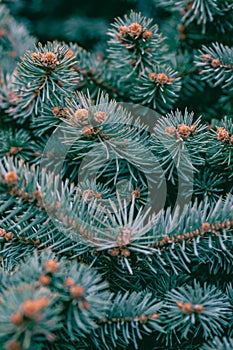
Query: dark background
<point x="82" y="21"/>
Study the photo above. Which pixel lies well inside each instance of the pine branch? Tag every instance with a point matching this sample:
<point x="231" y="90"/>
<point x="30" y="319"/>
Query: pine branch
<point x="46" y="73"/>
<point x="216" y="64"/>
<point x="217" y="343"/>
<point x="14" y="40"/>
<point x="193" y="309"/>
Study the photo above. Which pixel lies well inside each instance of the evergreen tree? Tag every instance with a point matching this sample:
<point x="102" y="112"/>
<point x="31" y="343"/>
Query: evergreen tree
<point x="116" y="206"/>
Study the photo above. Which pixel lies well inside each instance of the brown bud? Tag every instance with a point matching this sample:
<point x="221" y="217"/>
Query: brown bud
<point x="199" y="308"/>
<point x="206" y="57"/>
<point x="181" y="27"/>
<point x="38" y="195"/>
<point x="135" y="29"/>
<point x="215" y="63"/>
<point x="70" y="54"/>
<point x="152" y="76"/>
<point x="85" y="304"/>
<point x="124" y="236"/>
<point x="154" y="316"/>
<point x="56" y="111"/>
<point x="100" y="117"/>
<point x="171" y="130"/>
<point x="123" y="30"/>
<point x="9" y="236"/>
<point x="187" y="308"/>
<point x="12" y="54"/>
<point x="2" y="232"/>
<point x="136" y="193"/>
<point x="15" y="150"/>
<point x="17" y="319"/>
<point x="13" y="345"/>
<point x="182" y="36"/>
<point x="69" y="281"/>
<point x="223" y="134"/>
<point x="2" y="32"/>
<point x="81" y="116"/>
<point x="179" y="304"/>
<point x="49" y="59"/>
<point x="125" y="252"/>
<point x="143" y="318"/>
<point x="29" y="308"/>
<point x="205" y="226"/>
<point x="36" y="56"/>
<point x="99" y="195"/>
<point x="183" y="131"/>
<point x="51" y="265"/>
<point x="87" y="130"/>
<point x="114" y="252"/>
<point x="11" y="177"/>
<point x="41" y="302"/>
<point x="45" y="280"/>
<point x="162" y="78"/>
<point x="65" y="112"/>
<point x="147" y="34"/>
<point x="189" y="5"/>
<point x="77" y="291"/>
<point x="12" y="97"/>
<point x="88" y="195"/>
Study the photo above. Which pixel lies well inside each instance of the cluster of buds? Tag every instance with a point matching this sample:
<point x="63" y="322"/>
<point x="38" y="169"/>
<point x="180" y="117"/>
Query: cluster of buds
<point x="214" y="62"/>
<point x="60" y="112"/>
<point x="189" y="308"/>
<point x="77" y="292"/>
<point x="188" y="7"/>
<point x="81" y="117"/>
<point x="181" y="29"/>
<point x="206" y="227"/>
<point x="48" y="59"/>
<point x="14" y="150"/>
<point x="11" y="179"/>
<point x="142" y="319"/>
<point x="89" y="195"/>
<point x="182" y="131"/>
<point x="135" y="30"/>
<point x="119" y="252"/>
<point x="160" y="78"/>
<point x="224" y="136"/>
<point x="50" y="267"/>
<point x="7" y="236"/>
<point x="29" y="309"/>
